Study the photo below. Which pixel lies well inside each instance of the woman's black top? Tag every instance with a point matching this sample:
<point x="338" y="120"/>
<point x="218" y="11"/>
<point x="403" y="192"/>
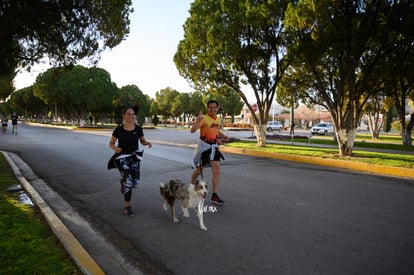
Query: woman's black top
<point x="128" y="140"/>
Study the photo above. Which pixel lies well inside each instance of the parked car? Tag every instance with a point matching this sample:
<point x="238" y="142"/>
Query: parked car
<point x="322" y="129"/>
<point x="274" y="126"/>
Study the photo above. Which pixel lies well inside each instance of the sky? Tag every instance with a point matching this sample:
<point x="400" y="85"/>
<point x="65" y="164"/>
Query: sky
<point x="145" y="58"/>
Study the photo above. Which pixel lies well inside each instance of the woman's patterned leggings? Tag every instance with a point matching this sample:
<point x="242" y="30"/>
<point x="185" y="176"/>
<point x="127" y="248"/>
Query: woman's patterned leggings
<point x="129" y="168"/>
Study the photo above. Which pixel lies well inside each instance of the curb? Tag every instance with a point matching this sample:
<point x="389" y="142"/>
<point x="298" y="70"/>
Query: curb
<point x="344" y="164"/>
<point x="78" y="253"/>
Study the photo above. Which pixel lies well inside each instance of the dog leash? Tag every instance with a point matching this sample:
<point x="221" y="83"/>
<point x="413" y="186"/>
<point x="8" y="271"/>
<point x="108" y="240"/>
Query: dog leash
<point x="201" y="172"/>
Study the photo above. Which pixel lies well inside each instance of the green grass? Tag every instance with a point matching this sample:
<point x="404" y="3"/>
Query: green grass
<point x="382" y="138"/>
<point x="386" y="142"/>
<point x="388" y="159"/>
<point x="364" y="143"/>
<point x="27" y="244"/>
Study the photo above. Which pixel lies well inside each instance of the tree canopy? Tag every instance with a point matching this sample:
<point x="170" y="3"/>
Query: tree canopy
<point x="131" y="95"/>
<point x="238" y="45"/>
<point x="331" y="53"/>
<point x="74" y="94"/>
<point x="62" y="31"/>
<point x="340" y="51"/>
<point x="77" y="91"/>
<point x="397" y="72"/>
<point x="24" y="102"/>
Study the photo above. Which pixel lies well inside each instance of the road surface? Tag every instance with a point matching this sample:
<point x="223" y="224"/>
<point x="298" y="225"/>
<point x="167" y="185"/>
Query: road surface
<point x="279" y="217"/>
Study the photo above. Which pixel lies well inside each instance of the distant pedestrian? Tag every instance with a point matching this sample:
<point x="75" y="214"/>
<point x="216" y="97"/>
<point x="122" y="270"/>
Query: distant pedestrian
<point x="127" y="156"/>
<point x="292" y="129"/>
<point x="14" y="118"/>
<point x="4" y="122"/>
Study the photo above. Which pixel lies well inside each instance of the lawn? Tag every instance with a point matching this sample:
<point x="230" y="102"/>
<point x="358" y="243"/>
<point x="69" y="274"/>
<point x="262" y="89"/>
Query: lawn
<point x="27" y="244"/>
<point x="387" y="142"/>
<point x="391" y="158"/>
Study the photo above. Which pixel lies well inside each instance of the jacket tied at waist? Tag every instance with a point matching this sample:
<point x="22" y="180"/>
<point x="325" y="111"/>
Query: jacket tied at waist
<point x="200" y="158"/>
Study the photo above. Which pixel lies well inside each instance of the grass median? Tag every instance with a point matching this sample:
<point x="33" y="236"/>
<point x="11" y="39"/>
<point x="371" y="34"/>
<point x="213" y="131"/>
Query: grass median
<point x="361" y="153"/>
<point x="27" y="244"/>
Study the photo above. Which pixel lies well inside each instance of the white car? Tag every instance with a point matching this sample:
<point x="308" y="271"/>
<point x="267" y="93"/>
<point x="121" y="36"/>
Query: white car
<point x="274" y="126"/>
<point x="322" y="129"/>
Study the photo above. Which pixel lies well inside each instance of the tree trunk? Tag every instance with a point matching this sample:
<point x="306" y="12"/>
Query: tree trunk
<point x="375" y="125"/>
<point x="406" y="137"/>
<point x="260" y="132"/>
<point x="407" y="130"/>
<point x="346" y="141"/>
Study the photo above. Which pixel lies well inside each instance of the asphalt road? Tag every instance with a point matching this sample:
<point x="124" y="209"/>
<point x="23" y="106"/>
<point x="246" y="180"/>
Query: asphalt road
<point x="279" y="217"/>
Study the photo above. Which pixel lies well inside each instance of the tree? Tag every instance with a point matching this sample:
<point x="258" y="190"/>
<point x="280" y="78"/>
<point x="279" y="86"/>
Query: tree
<point x="46" y="87"/>
<point x="145" y="107"/>
<point x="196" y="104"/>
<point x="238" y="45"/>
<point x="7" y="66"/>
<point x="76" y="91"/>
<point x="339" y="48"/>
<point x="398" y="73"/>
<point x="390" y="112"/>
<point x="64" y="31"/>
<point x="229" y="102"/>
<point x="373" y="110"/>
<point x="103" y="91"/>
<point x="165" y="99"/>
<point x="79" y="89"/>
<point x="17" y="102"/>
<point x="24" y="102"/>
<point x="6" y="86"/>
<point x="154" y="110"/>
<point x="180" y="106"/>
<point x="288" y="92"/>
<point x="131" y="95"/>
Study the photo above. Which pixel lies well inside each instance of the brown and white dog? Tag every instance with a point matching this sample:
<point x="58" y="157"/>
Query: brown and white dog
<point x="191" y="195"/>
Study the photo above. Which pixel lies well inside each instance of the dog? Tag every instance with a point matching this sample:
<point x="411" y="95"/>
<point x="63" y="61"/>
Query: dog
<point x="191" y="195"/>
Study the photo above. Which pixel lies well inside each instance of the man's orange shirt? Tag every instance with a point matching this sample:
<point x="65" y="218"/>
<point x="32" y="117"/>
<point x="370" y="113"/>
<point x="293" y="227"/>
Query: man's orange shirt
<point x="209" y="130"/>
